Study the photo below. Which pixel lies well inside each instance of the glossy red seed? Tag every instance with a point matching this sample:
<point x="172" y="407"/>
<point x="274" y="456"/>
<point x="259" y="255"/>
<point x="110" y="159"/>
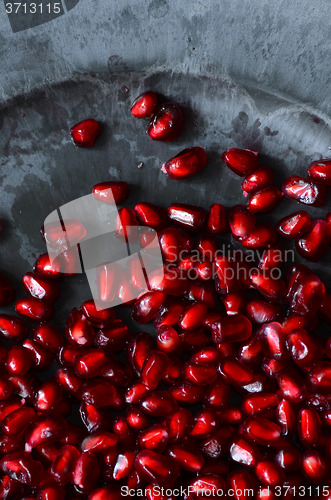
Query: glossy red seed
<point x="111" y="191"/>
<point x="136" y="420"/>
<point x="261" y="237"/>
<point x="188" y="217"/>
<point x="187" y="458"/>
<point x="138" y="350"/>
<point x="218" y="444"/>
<point x="153" y="369"/>
<point x="7" y="291"/>
<point x="86" y="473"/>
<point x="291" y="385"/>
<point x="306" y="295"/>
<point x="124" y="465"/>
<point x="126" y="224"/>
<point x="235" y="371"/>
<point x="261" y="430"/>
<point x="78" y="329"/>
<point x="174" y="244"/>
<point x="21" y="467"/>
<point x="227" y="279"/>
<point x="97" y="392"/>
<point x="17" y="421"/>
<point x="114" y="338"/>
<point x="320" y="171"/>
<point x="144" y="105"/>
<point x="147" y="306"/>
<point x="193" y="315"/>
<point x="242" y="222"/>
<point x="170" y="280"/>
<point x="309" y="427"/>
<point x="288" y="459"/>
<point x="179" y="423"/>
<point x="18" y="360"/>
<point x="85" y="133"/>
<point x="154" y="438"/>
<point x="240" y="161"/>
<point x="108" y="280"/>
<point x="273" y="259"/>
<point x="158" y="404"/>
<point x="231" y="329"/>
<point x="259" y="178"/>
<point x="314" y="242"/>
<point x="293" y="321"/>
<point x="51" y="491"/>
<point x="90" y="363"/>
<point x="240" y="481"/>
<point x="293" y="274"/>
<point x="260" y="311"/>
<point x="45" y="429"/>
<point x="48" y="337"/>
<point x="304" y="191"/>
<point x="305" y="350"/>
<point x="40" y="358"/>
<point x="254" y="404"/>
<point x="265" y="199"/>
<point x="217" y="220"/>
<point x="41" y="288"/>
<point x="186" y="163"/>
<point x="273" y="289"/>
<point x="151" y="215"/>
<point x="205" y="485"/>
<point x="314" y="466"/>
<point x="33" y="309"/>
<point x="47" y="268"/>
<point x="234" y="303"/>
<point x="166" y="123"/>
<point x="250" y="352"/>
<point x="11" y="489"/>
<point x="99" y="442"/>
<point x="48" y="396"/>
<point x="205" y="423"/>
<point x="11" y="328"/>
<point x="168" y="340"/>
<point x="272" y="340"/>
<point x="207" y="246"/>
<point x="199" y="374"/>
<point x="244" y="452"/>
<point x="294" y="225"/>
<point x="69" y="382"/>
<point x="269" y="473"/>
<point x="111" y="492"/>
<point x="155" y="467"/>
<point x="286" y="417"/>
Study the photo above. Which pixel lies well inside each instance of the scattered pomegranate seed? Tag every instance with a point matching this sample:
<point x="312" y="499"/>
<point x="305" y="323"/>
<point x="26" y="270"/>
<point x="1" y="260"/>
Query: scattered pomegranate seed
<point x="305" y="191"/>
<point x="240" y="161"/>
<point x="265" y="199"/>
<point x="144" y="105"/>
<point x="118" y="189"/>
<point x="188" y="217"/>
<point x="260" y="178"/>
<point x="320" y="171"/>
<point x="166" y="124"/>
<point x="186" y="164"/>
<point x="85" y="133"/>
<point x="294" y="225"/>
<point x="314" y="242"/>
<point x="242" y="222"/>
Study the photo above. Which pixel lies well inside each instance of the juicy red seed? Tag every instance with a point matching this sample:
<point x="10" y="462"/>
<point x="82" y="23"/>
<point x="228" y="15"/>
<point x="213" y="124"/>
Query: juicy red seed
<point x="111" y="492"/>
<point x="272" y="340"/>
<point x="292" y="276"/>
<point x="314" y="466"/>
<point x="144" y="105"/>
<point x="18" y="360"/>
<point x="69" y="382"/>
<point x="124" y="465"/>
<point x="153" y="369"/>
<point x="242" y="222"/>
<point x="250" y="352"/>
<point x="206" y="355"/>
<point x="199" y="374"/>
<point x="260" y="311"/>
<point x="85" y="133"/>
<point x="273" y="289"/>
<point x="205" y="423"/>
<point x="45" y="429"/>
<point x="100" y="318"/>
<point x="147" y="306"/>
<point x="171" y="281"/>
<point x="179" y="423"/>
<point x="286" y="417"/>
<point x="314" y="242"/>
<point x="244" y="452"/>
<point x="78" y="329"/>
<point x="41" y="288"/>
<point x="166" y="124"/>
<point x="260" y="178"/>
<point x="46" y="268"/>
<point x="272" y="258"/>
<point x="114" y="338"/>
<point x="40" y="357"/>
<point x="48" y="337"/>
<point x="97" y="392"/>
<point x="294" y="225"/>
<point x="17" y="421"/>
<point x="217" y="395"/>
<point x="173" y="244"/>
<point x="291" y="385"/>
<point x="136" y="420"/>
<point x="86" y="472"/>
<point x="48" y="396"/>
<point x="309" y="427"/>
<point x="304" y="191"/>
<point x="151" y="215"/>
<point x="265" y="199"/>
<point x="158" y="404"/>
<point x="168" y="340"/>
<point x="306" y="295"/>
<point x="293" y="321"/>
<point x="231" y="329"/>
<point x="155" y="467"/>
<point x="126" y="225"/>
<point x="288" y="459"/>
<point x="188" y="217"/>
<point x="154" y="438"/>
<point x="11" y="328"/>
<point x="187" y="459"/>
<point x="319" y="377"/>
<point x="186" y="164"/>
<point x="234" y="303"/>
<point x="138" y="350"/>
<point x="269" y="473"/>
<point x="253" y="404"/>
<point x="240" y="161"/>
<point x="235" y="371"/>
<point x="205" y="485"/>
<point x="193" y="315"/>
<point x="33" y="309"/>
<point x="7" y="291"/>
<point x="261" y="430"/>
<point x="305" y="349"/>
<point x="21" y="467"/>
<point x="99" y="442"/>
<point x="110" y="192"/>
<point x="261" y="237"/>
<point x="217" y="220"/>
<point x="320" y="171"/>
<point x="90" y="363"/>
<point x="226" y="278"/>
<point x="207" y="246"/>
<point x="51" y="491"/>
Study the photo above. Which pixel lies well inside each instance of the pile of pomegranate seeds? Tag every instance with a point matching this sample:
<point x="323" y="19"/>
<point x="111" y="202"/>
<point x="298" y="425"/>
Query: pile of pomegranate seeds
<point x="165" y="417"/>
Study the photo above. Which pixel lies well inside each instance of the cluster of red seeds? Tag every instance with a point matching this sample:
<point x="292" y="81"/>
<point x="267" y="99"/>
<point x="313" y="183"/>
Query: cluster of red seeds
<point x="220" y="333"/>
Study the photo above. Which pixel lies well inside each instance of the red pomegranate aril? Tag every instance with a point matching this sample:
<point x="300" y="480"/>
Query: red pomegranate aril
<point x="319" y="378"/>
<point x="288" y="459"/>
<point x="11" y="489"/>
<point x="205" y="423"/>
<point x="192" y="317"/>
<point x="205" y="485"/>
<point x="97" y="392"/>
<point x="309" y="427"/>
<point x="217" y="395"/>
<point x="207" y="354"/>
<point x="117" y="372"/>
<point x="220" y="468"/>
<point x="154" y="438"/>
<point x="99" y="318"/>
<point x="261" y="237"/>
<point x="126" y="224"/>
<point x="136" y="420"/>
<point x="45" y="429"/>
<point x="151" y="215"/>
<point x="269" y="473"/>
<point x="147" y="306"/>
<point x="9" y="405"/>
<point x="155" y="467"/>
<point x="158" y="404"/>
<point x="17" y="360"/>
<point x="186" y="163"/>
<point x="172" y="243"/>
<point x="303" y="190"/>
<point x="293" y="321"/>
<point x="250" y="352"/>
<point x="85" y="133"/>
<point x="235" y="372"/>
<point x="153" y="369"/>
<point x="138" y="350"/>
<point x="187" y="458"/>
<point x="286" y="417"/>
<point x="259" y="178"/>
<point x="48" y="337"/>
<point x="204" y="270"/>
<point x="17" y="421"/>
<point x="242" y="222"/>
<point x="291" y="385"/>
<point x="244" y="452"/>
<point x="320" y="171"/>
<point x="260" y="311"/>
<point x="261" y="430"/>
<point x="144" y="105"/>
<point x="41" y="288"/>
<point x="114" y="338"/>
<point x="294" y="225"/>
<point x="24" y="387"/>
<point x="48" y="396"/>
<point x="187" y="394"/>
<point x="86" y="473"/>
<point x="51" y="491"/>
<point x="168" y="340"/>
<point x="94" y="419"/>
<point x="21" y="467"/>
<point x="240" y="161"/>
<point x="111" y="191"/>
<point x="11" y="328"/>
<point x="314" y="242"/>
<point x="33" y="309"/>
<point x="99" y="442"/>
<point x="207" y="246"/>
<point x="272" y="340"/>
<point x="199" y="374"/>
<point x="217" y="220"/>
<point x="305" y="350"/>
<point x="40" y="358"/>
<point x="293" y="274"/>
<point x="254" y="404"/>
<point x="78" y="329"/>
<point x="202" y="291"/>
<point x="188" y="217"/>
<point x="166" y="124"/>
<point x="314" y="466"/>
<point x="90" y="363"/>
<point x="46" y="267"/>
<point x="169" y="279"/>
<point x="111" y="492"/>
<point x="218" y="444"/>
<point x="264" y="199"/>
<point x="235" y="328"/>
<point x="234" y="303"/>
<point x="179" y="423"/>
<point x="226" y="277"/>
<point x="68" y="354"/>
<point x="108" y="280"/>
<point x="272" y="258"/>
<point x="124" y="465"/>
<point x="272" y="289"/>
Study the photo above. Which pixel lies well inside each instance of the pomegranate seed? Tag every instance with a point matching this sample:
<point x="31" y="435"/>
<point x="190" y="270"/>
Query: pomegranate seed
<point x="235" y="372"/>
<point x="226" y="278"/>
<point x="11" y="489"/>
<point x="186" y="163"/>
<point x="40" y="358"/>
<point x="272" y="340"/>
<point x="265" y="199"/>
<point x="314" y="242"/>
<point x="205" y="423"/>
<point x="24" y="387"/>
<point x="126" y="225"/>
<point x="187" y="394"/>
<point x="259" y="178"/>
<point x="97" y="392"/>
<point x="187" y="458"/>
<point x="314" y="466"/>
<point x="33" y="309"/>
<point x="217" y="395"/>
<point x="231" y="329"/>
<point x="153" y="369"/>
<point x="158" y="404"/>
<point x="110" y="192"/>
<point x="111" y="492"/>
<point x="286" y="417"/>
<point x="292" y="276"/>
<point x="45" y="429"/>
<point x="291" y="385"/>
<point x="124" y="465"/>
<point x="240" y="161"/>
<point x="293" y="321"/>
<point x="99" y="318"/>
<point x="155" y="467"/>
<point x="250" y="352"/>
<point x="45" y="268"/>
<point x="7" y="291"/>
<point x="217" y="220"/>
<point x="294" y="225"/>
<point x="48" y="337"/>
<point x="171" y="281"/>
<point x="253" y="404"/>
<point x="174" y="243"/>
<point x="168" y="340"/>
<point x="193" y="315"/>
<point x="138" y="350"/>
<point x="54" y="235"/>
<point x="136" y="420"/>
<point x="69" y="382"/>
<point x="207" y="246"/>
<point x="51" y="491"/>
<point x="242" y="222"/>
<point x="85" y="133"/>
<point x="243" y="452"/>
<point x="90" y="363"/>
<point x="99" y="442"/>
<point x="272" y="289"/>
<point x="41" y="288"/>
<point x="305" y="350"/>
<point x="78" y="329"/>
<point x="86" y="473"/>
<point x="288" y="459"/>
<point x="240" y="481"/>
<point x="309" y="427"/>
<point x="304" y="191"/>
<point x="260" y="311"/>
<point x="261" y="430"/>
<point x="166" y="124"/>
<point x="200" y="291"/>
<point x="272" y="258"/>
<point x="17" y="421"/>
<point x="319" y="377"/>
<point x="18" y="360"/>
<point x="21" y="467"/>
<point x="48" y="396"/>
<point x="206" y="355"/>
<point x="199" y="374"/>
<point x="320" y="171"/>
<point x="117" y="372"/>
<point x="144" y="105"/>
<point x="147" y="306"/>
<point x="188" y="217"/>
<point x="218" y="444"/>
<point x="11" y="328"/>
<point x="269" y="473"/>
<point x="151" y="215"/>
<point x="179" y="423"/>
<point x="154" y="438"/>
<point x="306" y="295"/>
<point x="261" y="237"/>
